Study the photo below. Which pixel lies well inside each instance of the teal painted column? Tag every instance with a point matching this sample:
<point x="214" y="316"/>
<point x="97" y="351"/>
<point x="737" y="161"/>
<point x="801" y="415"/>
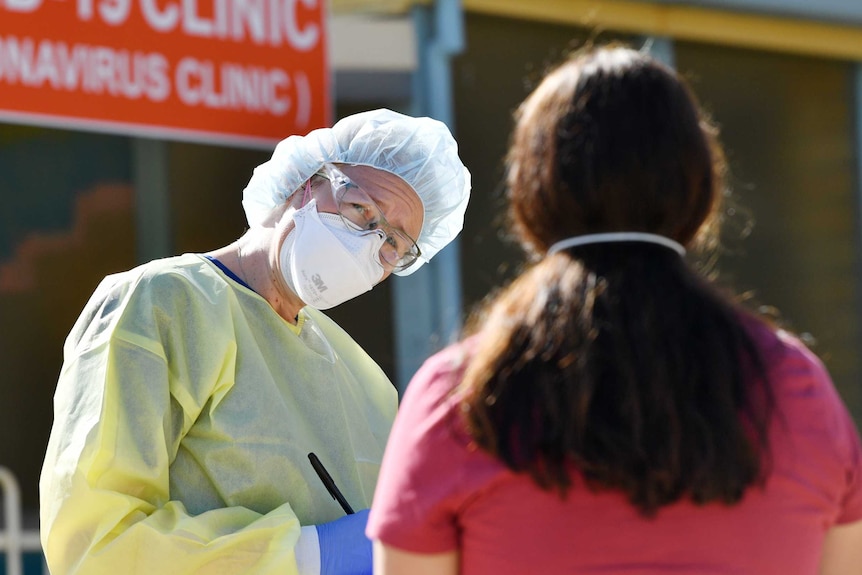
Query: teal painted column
<point x="661" y="48"/>
<point x="428" y="304"/>
<point x="857" y="101"/>
<point x="153" y="233"/>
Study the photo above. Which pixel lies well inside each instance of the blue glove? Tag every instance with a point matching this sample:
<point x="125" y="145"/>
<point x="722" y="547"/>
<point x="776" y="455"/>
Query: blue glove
<point x="344" y="548"/>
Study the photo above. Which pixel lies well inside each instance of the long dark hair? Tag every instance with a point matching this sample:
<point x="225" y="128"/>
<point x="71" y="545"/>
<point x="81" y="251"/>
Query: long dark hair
<point x="618" y="360"/>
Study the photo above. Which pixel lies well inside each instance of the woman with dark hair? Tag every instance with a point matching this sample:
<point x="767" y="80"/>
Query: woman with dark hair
<point x="615" y="412"/>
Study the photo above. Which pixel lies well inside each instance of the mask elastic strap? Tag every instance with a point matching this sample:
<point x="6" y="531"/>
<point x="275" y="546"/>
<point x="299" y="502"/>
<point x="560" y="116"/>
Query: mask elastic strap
<point x="307" y="194"/>
<point x="617" y="237"/>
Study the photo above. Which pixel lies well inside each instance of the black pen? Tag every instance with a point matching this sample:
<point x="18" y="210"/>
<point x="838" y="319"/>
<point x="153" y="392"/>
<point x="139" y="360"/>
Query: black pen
<point x="329" y="483"/>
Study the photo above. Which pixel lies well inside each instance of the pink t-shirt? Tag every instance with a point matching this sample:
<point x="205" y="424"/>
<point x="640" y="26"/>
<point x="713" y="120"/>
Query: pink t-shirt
<point x="438" y="493"/>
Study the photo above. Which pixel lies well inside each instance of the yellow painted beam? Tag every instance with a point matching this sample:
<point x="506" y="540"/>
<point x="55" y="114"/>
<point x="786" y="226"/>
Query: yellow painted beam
<point x="374" y="6"/>
<point x="773" y="33"/>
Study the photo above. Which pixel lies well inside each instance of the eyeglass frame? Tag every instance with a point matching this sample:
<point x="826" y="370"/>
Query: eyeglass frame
<point x="338" y="180"/>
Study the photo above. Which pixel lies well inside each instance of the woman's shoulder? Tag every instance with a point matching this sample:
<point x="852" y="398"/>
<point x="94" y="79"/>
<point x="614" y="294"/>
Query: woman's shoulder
<point x="778" y="347"/>
<point x="805" y="394"/>
<point x="441" y="373"/>
<point x="455" y="357"/>
<point x="433" y="394"/>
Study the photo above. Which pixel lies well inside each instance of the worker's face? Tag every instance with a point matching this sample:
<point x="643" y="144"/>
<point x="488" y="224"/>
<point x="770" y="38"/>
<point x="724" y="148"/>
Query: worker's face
<point x="394" y="209"/>
<point x="400" y="204"/>
<point x="400" y="207"/>
<point x="379" y="211"/>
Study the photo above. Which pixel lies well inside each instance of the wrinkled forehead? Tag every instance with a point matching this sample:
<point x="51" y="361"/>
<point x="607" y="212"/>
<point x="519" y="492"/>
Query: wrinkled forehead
<point x="397" y="199"/>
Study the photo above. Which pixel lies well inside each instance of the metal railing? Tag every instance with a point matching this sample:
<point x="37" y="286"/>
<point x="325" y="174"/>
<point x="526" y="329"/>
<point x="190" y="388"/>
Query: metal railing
<point x="14" y="540"/>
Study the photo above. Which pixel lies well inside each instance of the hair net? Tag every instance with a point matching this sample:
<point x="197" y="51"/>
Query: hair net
<point x="421" y="151"/>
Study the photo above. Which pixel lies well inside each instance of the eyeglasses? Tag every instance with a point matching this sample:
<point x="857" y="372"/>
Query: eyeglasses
<point x="361" y="214"/>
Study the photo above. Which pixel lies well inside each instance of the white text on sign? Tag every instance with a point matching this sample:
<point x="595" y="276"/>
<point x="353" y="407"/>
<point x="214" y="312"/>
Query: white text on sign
<point x="263" y="22"/>
<point x="147" y="75"/>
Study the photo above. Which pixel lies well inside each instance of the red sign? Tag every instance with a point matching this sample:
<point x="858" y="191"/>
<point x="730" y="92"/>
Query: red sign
<point x="247" y="72"/>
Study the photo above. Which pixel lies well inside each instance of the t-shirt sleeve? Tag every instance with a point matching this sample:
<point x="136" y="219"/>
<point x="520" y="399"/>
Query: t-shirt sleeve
<point x="419" y="489"/>
<point x="850" y="449"/>
<point x="852" y="504"/>
<point x="835" y="434"/>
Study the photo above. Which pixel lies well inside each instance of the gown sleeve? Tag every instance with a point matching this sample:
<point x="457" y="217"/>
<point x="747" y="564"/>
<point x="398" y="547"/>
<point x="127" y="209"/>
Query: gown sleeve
<point x="120" y="415"/>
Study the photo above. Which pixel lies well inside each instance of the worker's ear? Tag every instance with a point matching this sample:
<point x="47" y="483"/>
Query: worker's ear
<point x="295" y="200"/>
<point x="276" y="213"/>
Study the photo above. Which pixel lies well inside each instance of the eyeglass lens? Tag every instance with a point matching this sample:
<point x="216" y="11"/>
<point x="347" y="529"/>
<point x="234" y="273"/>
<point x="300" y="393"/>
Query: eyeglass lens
<point x="361" y="213"/>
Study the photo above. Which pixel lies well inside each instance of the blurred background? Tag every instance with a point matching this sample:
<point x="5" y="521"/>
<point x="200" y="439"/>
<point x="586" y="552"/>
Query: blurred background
<point x="781" y="78"/>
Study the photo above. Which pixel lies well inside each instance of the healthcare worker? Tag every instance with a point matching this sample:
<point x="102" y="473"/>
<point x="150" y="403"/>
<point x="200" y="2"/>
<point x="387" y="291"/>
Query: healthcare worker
<point x="195" y="388"/>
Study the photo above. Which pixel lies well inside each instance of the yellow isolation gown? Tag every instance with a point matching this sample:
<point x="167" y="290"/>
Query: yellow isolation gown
<point x="184" y="415"/>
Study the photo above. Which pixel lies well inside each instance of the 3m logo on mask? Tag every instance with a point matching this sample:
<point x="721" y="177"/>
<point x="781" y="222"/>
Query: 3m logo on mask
<point x="318" y="283"/>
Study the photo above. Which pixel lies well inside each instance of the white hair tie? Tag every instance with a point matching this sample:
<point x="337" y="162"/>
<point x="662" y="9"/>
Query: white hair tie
<point x="617" y="237"/>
